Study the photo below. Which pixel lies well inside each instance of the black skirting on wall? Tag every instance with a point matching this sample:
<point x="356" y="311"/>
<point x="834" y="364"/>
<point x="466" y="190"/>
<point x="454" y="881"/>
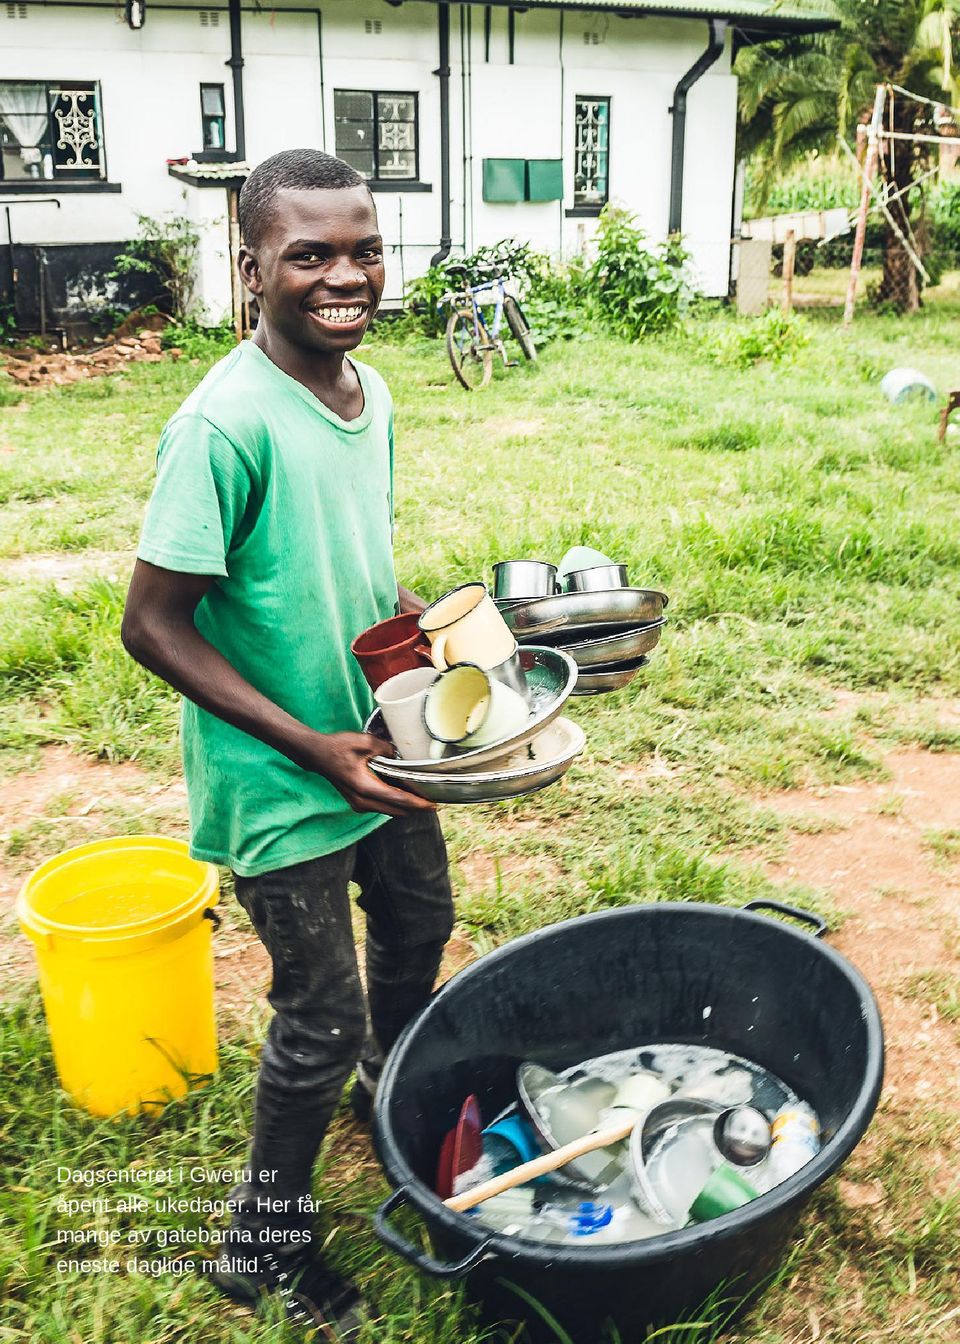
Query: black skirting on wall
<point x="71" y="287"/>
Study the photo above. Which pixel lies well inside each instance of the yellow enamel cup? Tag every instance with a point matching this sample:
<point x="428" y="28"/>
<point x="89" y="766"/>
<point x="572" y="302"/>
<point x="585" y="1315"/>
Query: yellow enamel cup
<point x="121" y="930"/>
<point x="466" y="707"/>
<point x="465" y="626"/>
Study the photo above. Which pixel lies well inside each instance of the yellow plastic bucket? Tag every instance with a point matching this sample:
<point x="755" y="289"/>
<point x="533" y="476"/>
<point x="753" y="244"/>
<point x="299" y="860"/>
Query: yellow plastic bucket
<point x="122" y="935"/>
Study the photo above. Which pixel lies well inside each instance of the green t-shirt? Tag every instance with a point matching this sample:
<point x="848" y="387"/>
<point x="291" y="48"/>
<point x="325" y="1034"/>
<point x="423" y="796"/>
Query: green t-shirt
<point x="290" y="507"/>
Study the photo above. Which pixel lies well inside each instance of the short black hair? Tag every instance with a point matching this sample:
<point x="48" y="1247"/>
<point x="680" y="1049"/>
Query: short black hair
<point x="294" y="170"/>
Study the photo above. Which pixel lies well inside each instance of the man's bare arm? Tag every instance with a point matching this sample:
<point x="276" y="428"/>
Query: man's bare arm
<point x="159" y="631"/>
<point x="409" y="602"/>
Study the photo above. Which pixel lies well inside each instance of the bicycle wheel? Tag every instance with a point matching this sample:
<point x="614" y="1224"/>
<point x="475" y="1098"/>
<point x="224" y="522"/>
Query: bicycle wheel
<point x="519" y="327"/>
<point x="472" y="362"/>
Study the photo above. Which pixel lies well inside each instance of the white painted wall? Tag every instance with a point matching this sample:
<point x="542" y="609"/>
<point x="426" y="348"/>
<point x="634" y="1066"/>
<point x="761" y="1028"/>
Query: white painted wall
<point x="150" y="96"/>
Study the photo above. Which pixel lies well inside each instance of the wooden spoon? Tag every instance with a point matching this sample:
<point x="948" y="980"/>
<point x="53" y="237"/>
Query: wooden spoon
<point x="539" y="1166"/>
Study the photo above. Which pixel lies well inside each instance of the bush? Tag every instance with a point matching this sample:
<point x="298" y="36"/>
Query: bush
<point x="198" y="342"/>
<point x="557" y="304"/>
<point x="11" y="394"/>
<point x="638" y="289"/>
<point x="632" y="288"/>
<point x="550" y="293"/>
<point x="775" y="337"/>
<point x="166" y="247"/>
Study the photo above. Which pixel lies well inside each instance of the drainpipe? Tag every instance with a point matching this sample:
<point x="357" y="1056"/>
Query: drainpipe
<point x="443" y="72"/>
<point x="718" y="30"/>
<point x="236" y="67"/>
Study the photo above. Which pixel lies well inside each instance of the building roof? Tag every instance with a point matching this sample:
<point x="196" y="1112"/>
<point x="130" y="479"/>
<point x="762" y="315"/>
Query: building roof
<point x="210" y="174"/>
<point x="756" y="17"/>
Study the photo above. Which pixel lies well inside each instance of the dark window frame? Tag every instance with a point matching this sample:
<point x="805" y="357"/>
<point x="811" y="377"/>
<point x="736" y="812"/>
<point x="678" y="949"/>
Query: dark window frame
<point x="94" y="174"/>
<point x="592" y="206"/>
<point x="376" y="95"/>
<point x="207" y="119"/>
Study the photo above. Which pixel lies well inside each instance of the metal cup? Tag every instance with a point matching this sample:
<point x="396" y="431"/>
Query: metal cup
<point x="599" y="578"/>
<point x="524" y="578"/>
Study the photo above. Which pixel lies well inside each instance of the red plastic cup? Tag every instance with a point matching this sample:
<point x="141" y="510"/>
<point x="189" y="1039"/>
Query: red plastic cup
<point x="391" y="646"/>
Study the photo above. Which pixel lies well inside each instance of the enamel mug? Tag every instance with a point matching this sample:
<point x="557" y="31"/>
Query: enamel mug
<point x="401" y="704"/>
<point x="467" y="708"/>
<point x="464" y="626"/>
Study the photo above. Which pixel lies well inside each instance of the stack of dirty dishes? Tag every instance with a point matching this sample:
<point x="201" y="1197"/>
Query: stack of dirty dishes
<point x="472" y="716"/>
<point x="586" y="607"/>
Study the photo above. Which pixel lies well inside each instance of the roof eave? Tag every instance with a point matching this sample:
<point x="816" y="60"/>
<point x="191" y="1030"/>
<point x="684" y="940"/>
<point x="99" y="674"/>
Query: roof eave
<point x="195" y="180"/>
<point x="757" y="28"/>
<point x="768" y="26"/>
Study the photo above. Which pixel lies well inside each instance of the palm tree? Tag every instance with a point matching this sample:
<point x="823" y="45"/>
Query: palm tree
<point x="797" y="96"/>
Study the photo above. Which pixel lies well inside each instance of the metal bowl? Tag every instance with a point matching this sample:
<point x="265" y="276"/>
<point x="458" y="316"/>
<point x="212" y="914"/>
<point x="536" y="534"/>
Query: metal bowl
<point x="588" y="1096"/>
<point x="534" y="766"/>
<point x="599" y="680"/>
<point x="572" y="613"/>
<point x="622" y="647"/>
<point x="596" y="579"/>
<point x="645" y="1137"/>
<point x="551" y="676"/>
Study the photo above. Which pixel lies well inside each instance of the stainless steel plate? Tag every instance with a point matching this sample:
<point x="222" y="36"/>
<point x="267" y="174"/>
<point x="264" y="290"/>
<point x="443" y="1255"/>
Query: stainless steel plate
<point x="587" y="1096"/>
<point x="598" y="680"/>
<point x="551" y="676"/>
<point x="573" y="612"/>
<point x="619" y="648"/>
<point x="525" y="770"/>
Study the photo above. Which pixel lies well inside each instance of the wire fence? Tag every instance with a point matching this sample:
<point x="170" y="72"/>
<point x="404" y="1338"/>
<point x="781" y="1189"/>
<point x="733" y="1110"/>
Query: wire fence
<point x="897" y="162"/>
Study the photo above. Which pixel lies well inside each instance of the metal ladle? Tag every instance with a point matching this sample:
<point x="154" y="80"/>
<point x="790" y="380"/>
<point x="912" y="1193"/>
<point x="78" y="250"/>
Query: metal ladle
<point x="743" y="1135"/>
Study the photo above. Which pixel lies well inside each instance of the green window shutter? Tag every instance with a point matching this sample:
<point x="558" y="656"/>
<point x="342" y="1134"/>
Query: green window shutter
<point x="544" y="179"/>
<point x="504" y="179"/>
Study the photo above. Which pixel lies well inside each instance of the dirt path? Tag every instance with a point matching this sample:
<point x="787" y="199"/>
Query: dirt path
<point x="67" y="800"/>
<point x="889" y="857"/>
<point x="888" y="853"/>
<point x="65" y="569"/>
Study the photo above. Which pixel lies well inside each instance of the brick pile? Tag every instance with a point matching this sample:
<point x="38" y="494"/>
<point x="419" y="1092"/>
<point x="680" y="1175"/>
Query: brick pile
<point x="56" y="368"/>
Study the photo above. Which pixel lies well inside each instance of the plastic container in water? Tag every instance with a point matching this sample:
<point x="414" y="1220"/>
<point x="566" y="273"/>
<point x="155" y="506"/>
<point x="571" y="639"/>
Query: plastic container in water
<point x="122" y="935"/>
<point x="688" y="973"/>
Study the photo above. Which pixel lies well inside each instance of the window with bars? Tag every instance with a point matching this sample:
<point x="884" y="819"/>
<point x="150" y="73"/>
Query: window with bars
<point x="377" y="133"/>
<point x="212" y="115"/>
<point x="591" y="160"/>
<point x="50" y="130"/>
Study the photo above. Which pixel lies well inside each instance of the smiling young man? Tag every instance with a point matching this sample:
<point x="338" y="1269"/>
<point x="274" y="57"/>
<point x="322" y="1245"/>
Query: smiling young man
<point x="266" y="549"/>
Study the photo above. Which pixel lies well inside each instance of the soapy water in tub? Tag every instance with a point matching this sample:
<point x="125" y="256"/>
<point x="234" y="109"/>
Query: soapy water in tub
<point x="551" y="1212"/>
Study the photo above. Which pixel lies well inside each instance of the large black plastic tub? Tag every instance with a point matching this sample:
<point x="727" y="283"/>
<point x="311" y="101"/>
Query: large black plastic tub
<point x="672" y="972"/>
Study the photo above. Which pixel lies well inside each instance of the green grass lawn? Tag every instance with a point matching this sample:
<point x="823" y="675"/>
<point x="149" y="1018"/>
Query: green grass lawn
<point x="806" y="532"/>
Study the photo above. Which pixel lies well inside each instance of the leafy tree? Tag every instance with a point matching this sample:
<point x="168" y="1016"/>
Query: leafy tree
<point x="796" y="96"/>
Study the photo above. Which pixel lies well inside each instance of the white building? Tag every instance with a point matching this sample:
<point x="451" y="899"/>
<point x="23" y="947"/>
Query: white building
<point x="474" y="122"/>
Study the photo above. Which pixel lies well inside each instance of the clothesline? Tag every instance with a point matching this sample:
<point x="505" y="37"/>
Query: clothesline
<point x="919" y="98"/>
<point x="920" y="139"/>
<point x="889" y="200"/>
<point x="882" y="204"/>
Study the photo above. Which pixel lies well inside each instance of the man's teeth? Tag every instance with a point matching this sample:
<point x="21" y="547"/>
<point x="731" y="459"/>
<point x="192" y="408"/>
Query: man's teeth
<point x="339" y="314"/>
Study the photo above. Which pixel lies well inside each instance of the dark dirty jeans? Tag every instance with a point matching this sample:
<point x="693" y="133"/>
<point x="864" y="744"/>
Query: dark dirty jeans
<point x="320" y="1030"/>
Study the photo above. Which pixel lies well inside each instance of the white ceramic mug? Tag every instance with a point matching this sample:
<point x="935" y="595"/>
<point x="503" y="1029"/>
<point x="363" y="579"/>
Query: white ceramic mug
<point x="467" y="708"/>
<point x="464" y="626"/>
<point x="401" y="700"/>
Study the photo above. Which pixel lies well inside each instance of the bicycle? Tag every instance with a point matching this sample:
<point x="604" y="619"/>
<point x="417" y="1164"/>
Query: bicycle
<point x="472" y="340"/>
